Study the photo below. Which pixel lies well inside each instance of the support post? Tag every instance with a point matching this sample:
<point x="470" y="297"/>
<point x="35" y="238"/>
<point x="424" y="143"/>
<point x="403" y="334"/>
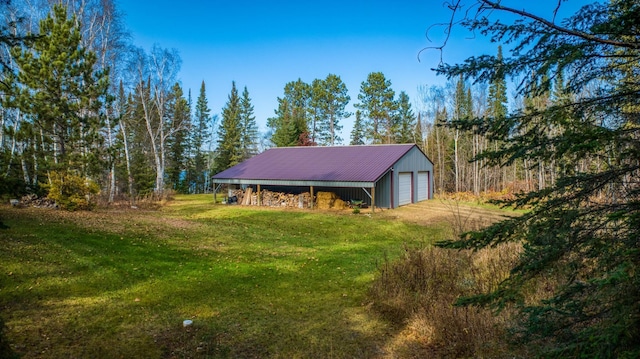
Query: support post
<point x="311" y="202"/>
<point x="215" y="191"/>
<point x="258" y="195"/>
<point x="373" y="199"/>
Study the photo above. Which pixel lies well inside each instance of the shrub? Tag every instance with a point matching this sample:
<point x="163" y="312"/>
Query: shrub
<point x="72" y="192"/>
<point x="418" y="294"/>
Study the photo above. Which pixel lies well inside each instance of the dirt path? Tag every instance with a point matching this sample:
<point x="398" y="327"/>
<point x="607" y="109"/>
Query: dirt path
<point x="446" y="211"/>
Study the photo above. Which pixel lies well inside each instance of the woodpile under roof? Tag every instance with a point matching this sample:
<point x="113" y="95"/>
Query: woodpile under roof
<point x="322" y="200"/>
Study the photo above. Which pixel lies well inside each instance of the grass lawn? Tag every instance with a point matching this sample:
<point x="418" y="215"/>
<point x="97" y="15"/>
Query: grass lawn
<point x="255" y="282"/>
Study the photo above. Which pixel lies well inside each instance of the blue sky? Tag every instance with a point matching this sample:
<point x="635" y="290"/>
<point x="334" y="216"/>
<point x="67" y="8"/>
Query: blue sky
<point x="265" y="44"/>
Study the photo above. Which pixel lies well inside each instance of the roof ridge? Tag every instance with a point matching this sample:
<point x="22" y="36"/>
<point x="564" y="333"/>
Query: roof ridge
<point x="350" y="146"/>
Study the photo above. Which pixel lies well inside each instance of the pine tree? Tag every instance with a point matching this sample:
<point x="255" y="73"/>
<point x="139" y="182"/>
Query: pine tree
<point x="57" y="87"/>
<point x="249" y="137"/>
<point x="178" y="142"/>
<point x="462" y="110"/>
<point x="141" y="156"/>
<point x="290" y="127"/>
<point x="580" y="233"/>
<point x="358" y="131"/>
<point x="10" y="37"/>
<point x="280" y="125"/>
<point x="498" y="90"/>
<point x="230" y="133"/>
<point x="406" y="120"/>
<point x="329" y="98"/>
<point x="316" y="109"/>
<point x="418" y="134"/>
<point x="199" y="134"/>
<point x="378" y="106"/>
<point x="445" y="162"/>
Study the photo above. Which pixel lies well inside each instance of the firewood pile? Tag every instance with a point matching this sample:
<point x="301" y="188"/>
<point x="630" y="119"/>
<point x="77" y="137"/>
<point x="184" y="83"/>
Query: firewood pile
<point x="280" y="199"/>
<point x="33" y="200"/>
<point x="323" y="200"/>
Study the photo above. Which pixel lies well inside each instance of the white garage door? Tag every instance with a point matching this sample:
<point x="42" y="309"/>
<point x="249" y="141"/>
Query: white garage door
<point x="404" y="182"/>
<point x="423" y="186"/>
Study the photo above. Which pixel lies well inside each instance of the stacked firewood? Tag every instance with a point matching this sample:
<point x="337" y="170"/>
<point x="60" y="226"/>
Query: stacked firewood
<point x="33" y="200"/>
<point x="280" y="199"/>
<point x="237" y="196"/>
<point x="272" y="199"/>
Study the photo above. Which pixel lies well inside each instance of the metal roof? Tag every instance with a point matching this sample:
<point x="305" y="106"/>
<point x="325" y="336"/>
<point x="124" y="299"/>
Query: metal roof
<point x="332" y="166"/>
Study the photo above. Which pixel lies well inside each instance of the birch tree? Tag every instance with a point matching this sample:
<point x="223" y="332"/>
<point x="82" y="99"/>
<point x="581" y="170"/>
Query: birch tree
<point x="156" y="73"/>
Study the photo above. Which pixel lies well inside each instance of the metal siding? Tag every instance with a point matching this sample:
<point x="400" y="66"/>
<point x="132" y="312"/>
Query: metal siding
<point x="415" y="161"/>
<point x="423" y="186"/>
<point x="405" y="190"/>
<point x="383" y="192"/>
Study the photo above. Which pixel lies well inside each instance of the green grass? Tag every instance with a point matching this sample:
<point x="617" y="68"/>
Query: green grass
<point x="255" y="282"/>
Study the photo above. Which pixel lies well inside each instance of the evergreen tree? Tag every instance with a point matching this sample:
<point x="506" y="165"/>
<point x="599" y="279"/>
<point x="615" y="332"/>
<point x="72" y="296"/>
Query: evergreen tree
<point x="199" y="134"/>
<point x="417" y="133"/>
<point x="406" y="120"/>
<point x="178" y="143"/>
<point x="249" y="137"/>
<point x="142" y="159"/>
<point x="329" y="99"/>
<point x="378" y="107"/>
<point x="57" y="88"/>
<point x="498" y="90"/>
<point x="230" y="133"/>
<point x="316" y="109"/>
<point x="10" y="37"/>
<point x="462" y="110"/>
<point x="358" y="131"/>
<point x="580" y="234"/>
<point x="290" y="127"/>
<point x="445" y="162"/>
<point x="281" y="125"/>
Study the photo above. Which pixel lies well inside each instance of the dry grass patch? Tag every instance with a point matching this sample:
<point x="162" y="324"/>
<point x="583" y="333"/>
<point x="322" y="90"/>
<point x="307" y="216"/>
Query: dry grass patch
<point x="418" y="292"/>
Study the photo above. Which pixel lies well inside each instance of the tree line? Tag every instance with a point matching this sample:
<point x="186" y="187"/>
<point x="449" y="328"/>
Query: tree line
<point x="79" y="100"/>
<point x="78" y="97"/>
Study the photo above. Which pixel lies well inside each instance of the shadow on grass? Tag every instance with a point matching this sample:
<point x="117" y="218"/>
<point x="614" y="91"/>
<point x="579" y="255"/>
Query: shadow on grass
<point x="255" y="283"/>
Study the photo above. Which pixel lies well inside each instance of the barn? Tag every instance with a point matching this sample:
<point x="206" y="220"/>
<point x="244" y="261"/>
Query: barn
<point x="385" y="176"/>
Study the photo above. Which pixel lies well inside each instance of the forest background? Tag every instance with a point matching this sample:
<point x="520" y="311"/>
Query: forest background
<point x="120" y="116"/>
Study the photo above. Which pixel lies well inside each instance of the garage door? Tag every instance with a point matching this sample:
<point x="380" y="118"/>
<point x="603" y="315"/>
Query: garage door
<point x="404" y="182"/>
<point x="423" y="186"/>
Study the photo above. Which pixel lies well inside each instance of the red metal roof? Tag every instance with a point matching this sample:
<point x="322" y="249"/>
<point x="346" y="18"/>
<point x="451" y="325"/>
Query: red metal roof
<point x="338" y="163"/>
